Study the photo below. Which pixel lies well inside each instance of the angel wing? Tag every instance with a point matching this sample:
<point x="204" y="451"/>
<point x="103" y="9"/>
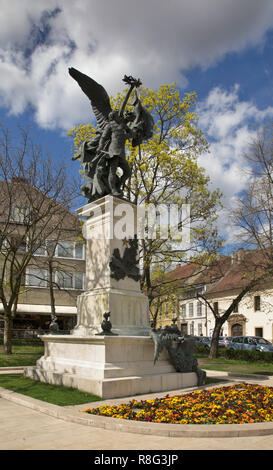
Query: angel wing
<point x="98" y="96"/>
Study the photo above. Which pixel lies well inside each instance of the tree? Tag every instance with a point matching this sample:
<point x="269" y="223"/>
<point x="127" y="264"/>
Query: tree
<point x="35" y="196"/>
<point x="253" y="211"/>
<point x="252" y="219"/>
<point x="54" y="271"/>
<point x="165" y="172"/>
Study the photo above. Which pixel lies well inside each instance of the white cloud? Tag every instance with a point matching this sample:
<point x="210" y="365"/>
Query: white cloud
<point x="154" y="40"/>
<point x="230" y="125"/>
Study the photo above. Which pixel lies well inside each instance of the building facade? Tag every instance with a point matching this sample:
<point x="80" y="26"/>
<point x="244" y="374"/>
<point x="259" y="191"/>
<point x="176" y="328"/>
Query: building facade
<point x="55" y="274"/>
<point x="217" y="287"/>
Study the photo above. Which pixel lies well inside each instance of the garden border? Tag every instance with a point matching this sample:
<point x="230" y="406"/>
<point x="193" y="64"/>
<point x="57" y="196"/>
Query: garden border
<point x="73" y="414"/>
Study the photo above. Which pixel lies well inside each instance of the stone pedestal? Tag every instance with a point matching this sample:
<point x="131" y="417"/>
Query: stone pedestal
<point x="109" y="228"/>
<point x="109" y="366"/>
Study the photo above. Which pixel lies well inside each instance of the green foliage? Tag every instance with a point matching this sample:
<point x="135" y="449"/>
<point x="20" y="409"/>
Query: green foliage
<point x="250" y="356"/>
<point x="168" y="161"/>
<point x="201" y="351"/>
<point x="240" y="355"/>
<point x="23" y="355"/>
<point x="24" y="341"/>
<point x="165" y="170"/>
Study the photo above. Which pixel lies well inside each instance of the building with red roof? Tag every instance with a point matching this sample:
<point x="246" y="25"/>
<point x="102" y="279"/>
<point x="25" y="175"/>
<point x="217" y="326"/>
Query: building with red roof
<point x="217" y="286"/>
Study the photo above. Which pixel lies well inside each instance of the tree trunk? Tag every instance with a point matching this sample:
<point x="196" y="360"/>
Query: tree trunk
<point x="8" y="325"/>
<point x="215" y="338"/>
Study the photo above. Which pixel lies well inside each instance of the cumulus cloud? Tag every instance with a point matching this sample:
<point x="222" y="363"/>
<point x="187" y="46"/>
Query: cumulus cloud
<point x="230" y="125"/>
<point x="155" y="40"/>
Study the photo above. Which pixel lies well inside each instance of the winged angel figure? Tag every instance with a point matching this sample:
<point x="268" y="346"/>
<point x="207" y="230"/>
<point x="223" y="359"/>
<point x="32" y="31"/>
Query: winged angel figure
<point x="106" y="152"/>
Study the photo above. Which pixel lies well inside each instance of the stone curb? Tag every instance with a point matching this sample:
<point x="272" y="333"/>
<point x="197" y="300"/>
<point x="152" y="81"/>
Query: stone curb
<point x="11" y="370"/>
<point x="236" y="375"/>
<point x="74" y="415"/>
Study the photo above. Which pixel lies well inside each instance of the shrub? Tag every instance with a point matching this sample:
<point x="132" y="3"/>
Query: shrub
<point x="243" y="355"/>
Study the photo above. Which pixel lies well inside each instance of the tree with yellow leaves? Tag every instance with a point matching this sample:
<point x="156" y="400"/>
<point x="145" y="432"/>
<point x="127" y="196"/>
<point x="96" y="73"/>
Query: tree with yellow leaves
<point x="165" y="171"/>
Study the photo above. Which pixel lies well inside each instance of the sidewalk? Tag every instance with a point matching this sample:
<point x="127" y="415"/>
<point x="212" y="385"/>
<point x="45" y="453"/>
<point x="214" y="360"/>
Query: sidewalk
<point x="26" y="423"/>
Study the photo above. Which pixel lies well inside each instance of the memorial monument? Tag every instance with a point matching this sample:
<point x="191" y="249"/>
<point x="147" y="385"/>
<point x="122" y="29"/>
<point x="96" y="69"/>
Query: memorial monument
<point x="113" y="358"/>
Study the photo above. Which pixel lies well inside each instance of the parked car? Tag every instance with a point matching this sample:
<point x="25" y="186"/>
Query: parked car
<point x="254" y="343"/>
<point x="224" y="341"/>
<point x="202" y="341"/>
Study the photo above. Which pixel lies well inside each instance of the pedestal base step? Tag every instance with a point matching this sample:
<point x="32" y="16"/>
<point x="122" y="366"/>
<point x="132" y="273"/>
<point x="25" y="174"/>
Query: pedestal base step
<point x="116" y="387"/>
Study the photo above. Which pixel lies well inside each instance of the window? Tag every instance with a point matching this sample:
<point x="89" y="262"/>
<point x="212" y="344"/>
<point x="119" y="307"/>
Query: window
<point x="250" y="341"/>
<point x="236" y="309"/>
<point x="79" y="250"/>
<point x="259" y="332"/>
<point x="16" y="244"/>
<point x="65" y="280"/>
<point x="41" y="250"/>
<point x="199" y="308"/>
<point x="19" y="213"/>
<point x="257" y="303"/>
<point x="191" y="310"/>
<point x="199" y="329"/>
<point x="192" y="328"/>
<point x="37" y="277"/>
<point x="22" y="248"/>
<point x="65" y="250"/>
<point x="79" y="281"/>
<point x="262" y="341"/>
<point x="45" y="248"/>
<point x="40" y="277"/>
<point x="70" y="250"/>
<point x="183" y="310"/>
<point x="238" y="340"/>
<point x="70" y="281"/>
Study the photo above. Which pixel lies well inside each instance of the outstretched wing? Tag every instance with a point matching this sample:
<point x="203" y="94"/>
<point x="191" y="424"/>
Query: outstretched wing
<point x="99" y="98"/>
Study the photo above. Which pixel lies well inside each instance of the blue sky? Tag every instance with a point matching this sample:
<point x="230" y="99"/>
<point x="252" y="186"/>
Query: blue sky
<point x="252" y="68"/>
<point x="222" y="49"/>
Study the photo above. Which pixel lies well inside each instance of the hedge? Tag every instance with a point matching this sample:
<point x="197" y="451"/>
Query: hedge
<point x="24" y="341"/>
<point x="243" y="355"/>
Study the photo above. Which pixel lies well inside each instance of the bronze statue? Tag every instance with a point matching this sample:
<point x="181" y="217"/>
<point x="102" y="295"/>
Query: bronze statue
<point x="180" y="350"/>
<point x="106" y="326"/>
<point x="106" y="152"/>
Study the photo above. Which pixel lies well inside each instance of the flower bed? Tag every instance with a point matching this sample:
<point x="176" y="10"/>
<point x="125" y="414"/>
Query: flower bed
<point x="240" y="403"/>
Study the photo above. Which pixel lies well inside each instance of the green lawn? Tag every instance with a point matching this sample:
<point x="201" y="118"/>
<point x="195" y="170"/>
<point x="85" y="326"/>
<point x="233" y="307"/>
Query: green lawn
<point x="57" y="395"/>
<point x="21" y="356"/>
<point x="232" y="365"/>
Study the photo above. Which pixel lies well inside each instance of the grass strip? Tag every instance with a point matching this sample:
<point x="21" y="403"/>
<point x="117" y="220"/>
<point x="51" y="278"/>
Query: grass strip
<point x="233" y="365"/>
<point x="21" y="356"/>
<point x="55" y="394"/>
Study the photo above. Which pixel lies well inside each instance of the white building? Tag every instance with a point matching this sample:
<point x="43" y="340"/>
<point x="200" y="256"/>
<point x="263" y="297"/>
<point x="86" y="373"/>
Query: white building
<point x="216" y="287"/>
